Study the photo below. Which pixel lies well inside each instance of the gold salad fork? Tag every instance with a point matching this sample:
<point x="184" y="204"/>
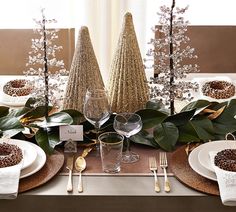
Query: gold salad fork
<point x="164" y="165"/>
<point x="153" y="168"/>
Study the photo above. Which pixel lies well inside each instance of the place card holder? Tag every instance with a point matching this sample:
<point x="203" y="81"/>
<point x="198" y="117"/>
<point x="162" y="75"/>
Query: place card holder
<point x="71" y="134"/>
<point x="70" y="146"/>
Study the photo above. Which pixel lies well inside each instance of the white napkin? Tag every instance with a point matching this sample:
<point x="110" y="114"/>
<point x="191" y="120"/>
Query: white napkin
<point x="227" y="183"/>
<point x="9" y="181"/>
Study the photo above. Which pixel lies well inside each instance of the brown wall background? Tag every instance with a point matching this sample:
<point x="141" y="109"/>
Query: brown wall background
<point x="215" y="47"/>
<point x="15" y="45"/>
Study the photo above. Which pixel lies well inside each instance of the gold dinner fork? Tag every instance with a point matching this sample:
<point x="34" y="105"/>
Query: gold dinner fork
<point x="153" y="168"/>
<point x="164" y="165"/>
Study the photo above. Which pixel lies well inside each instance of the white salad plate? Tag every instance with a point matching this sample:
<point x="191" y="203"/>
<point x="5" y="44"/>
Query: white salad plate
<point x="197" y="167"/>
<point x="201" y="81"/>
<point x="37" y="164"/>
<point x="29" y="151"/>
<point x="215" y="146"/>
<point x="13" y="101"/>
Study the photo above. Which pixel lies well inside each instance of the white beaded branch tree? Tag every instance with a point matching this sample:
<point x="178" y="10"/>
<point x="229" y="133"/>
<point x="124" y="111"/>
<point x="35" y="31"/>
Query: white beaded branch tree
<point x="47" y="84"/>
<point x="170" y="50"/>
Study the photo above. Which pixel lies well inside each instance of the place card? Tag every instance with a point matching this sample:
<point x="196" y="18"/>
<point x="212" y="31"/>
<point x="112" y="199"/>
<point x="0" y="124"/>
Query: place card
<point x="71" y="132"/>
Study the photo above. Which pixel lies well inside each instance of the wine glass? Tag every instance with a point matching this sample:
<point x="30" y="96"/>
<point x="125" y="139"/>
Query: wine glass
<point x="128" y="124"/>
<point x="96" y="109"/>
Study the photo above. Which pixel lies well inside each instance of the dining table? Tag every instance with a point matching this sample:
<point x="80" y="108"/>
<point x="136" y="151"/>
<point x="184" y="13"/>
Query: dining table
<point x="113" y="193"/>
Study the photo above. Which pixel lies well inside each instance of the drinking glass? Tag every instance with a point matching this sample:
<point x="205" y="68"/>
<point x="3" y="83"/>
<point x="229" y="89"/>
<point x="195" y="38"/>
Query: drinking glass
<point x="128" y="124"/>
<point x="111" y="145"/>
<point x="96" y="109"/>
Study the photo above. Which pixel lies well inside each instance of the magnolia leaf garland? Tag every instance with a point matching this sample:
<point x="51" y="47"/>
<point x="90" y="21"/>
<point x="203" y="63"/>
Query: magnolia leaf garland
<point x="199" y="121"/>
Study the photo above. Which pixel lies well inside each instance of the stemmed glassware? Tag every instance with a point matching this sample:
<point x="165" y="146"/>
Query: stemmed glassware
<point x="96" y="109"/>
<point x="128" y="124"/>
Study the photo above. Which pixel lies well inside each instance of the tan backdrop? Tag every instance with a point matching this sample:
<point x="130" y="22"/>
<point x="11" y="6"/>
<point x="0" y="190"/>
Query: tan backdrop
<point x="16" y="43"/>
<point x="215" y="47"/>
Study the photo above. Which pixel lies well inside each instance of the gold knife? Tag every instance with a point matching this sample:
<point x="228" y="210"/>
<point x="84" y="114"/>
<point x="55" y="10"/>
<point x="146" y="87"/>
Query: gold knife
<point x="69" y="166"/>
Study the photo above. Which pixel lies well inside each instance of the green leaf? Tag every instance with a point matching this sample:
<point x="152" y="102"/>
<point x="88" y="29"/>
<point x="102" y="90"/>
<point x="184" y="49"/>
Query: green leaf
<point x="204" y="128"/>
<point x="155" y="105"/>
<point x="187" y="133"/>
<point x="37" y="112"/>
<point x="18" y="112"/>
<point x="181" y="118"/>
<point x="7" y="123"/>
<point x="228" y="114"/>
<point x="30" y="102"/>
<point x="166" y="135"/>
<point x="216" y="105"/>
<point x="144" y="138"/>
<point x="53" y="136"/>
<point x="198" y="105"/>
<point x="42" y="139"/>
<point x="58" y="119"/>
<point x="3" y="111"/>
<point x="10" y="126"/>
<point x="75" y="115"/>
<point x="226" y="122"/>
<point x="221" y="129"/>
<point x="151" y="118"/>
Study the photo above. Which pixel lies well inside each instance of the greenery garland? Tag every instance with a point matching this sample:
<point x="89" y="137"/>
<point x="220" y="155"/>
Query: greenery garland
<point x="199" y="121"/>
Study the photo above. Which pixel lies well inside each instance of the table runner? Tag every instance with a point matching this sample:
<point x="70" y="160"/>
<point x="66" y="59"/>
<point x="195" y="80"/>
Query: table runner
<point x="140" y="168"/>
<point x="178" y="167"/>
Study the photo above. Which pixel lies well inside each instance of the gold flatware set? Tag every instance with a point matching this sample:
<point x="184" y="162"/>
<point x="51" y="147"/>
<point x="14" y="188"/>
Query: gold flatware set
<point x="154" y="168"/>
<point x="69" y="166"/>
<point x="80" y="165"/>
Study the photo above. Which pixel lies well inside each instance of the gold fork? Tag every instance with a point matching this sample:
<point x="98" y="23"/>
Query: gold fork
<point x="153" y="168"/>
<point x="164" y="165"/>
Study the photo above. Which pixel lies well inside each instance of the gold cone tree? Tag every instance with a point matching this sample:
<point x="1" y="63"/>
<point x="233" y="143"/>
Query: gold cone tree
<point x="84" y="72"/>
<point x="128" y="89"/>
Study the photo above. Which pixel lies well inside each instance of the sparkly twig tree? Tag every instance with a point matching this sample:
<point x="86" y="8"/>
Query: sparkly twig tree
<point x="170" y="50"/>
<point x="47" y="85"/>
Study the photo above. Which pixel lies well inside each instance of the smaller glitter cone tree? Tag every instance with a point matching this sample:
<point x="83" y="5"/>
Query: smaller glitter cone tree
<point x="128" y="89"/>
<point x="84" y="72"/>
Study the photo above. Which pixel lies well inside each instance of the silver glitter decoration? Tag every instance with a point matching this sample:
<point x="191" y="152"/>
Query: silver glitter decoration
<point x="170" y="49"/>
<point x="47" y="85"/>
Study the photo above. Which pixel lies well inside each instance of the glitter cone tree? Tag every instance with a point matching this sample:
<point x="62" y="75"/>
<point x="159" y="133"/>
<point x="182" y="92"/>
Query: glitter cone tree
<point x="84" y="72"/>
<point x="171" y="50"/>
<point x="128" y="88"/>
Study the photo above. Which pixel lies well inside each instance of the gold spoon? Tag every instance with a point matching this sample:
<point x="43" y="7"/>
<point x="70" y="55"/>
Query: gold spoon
<point x="80" y="165"/>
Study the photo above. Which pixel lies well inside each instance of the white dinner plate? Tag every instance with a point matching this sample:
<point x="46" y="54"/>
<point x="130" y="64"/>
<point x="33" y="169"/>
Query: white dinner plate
<point x="29" y="151"/>
<point x="203" y="155"/>
<point x="37" y="164"/>
<point x="197" y="167"/>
